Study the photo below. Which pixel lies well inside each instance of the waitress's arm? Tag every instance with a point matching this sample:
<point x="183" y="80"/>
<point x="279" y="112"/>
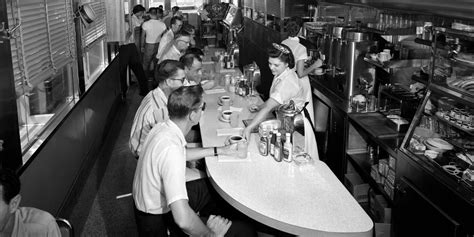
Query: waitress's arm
<point x="267" y="107"/>
<point x="301" y="71"/>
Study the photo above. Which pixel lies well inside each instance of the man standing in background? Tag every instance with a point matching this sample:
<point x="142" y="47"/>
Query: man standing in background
<point x="152" y="31"/>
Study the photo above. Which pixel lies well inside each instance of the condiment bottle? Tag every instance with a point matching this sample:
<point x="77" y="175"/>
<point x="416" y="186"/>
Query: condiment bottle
<point x="273" y="140"/>
<point x="263" y="145"/>
<point x="277" y="152"/>
<point x="288" y="148"/>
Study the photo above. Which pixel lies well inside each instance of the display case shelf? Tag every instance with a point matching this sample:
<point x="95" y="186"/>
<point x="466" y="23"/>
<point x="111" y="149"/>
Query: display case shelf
<point x="360" y="162"/>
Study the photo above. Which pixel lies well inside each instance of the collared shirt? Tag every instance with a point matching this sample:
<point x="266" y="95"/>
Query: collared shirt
<point x="160" y="174"/>
<point x="166" y="39"/>
<point x="152" y="111"/>
<point x="30" y="221"/>
<point x="172" y="53"/>
<point x="286" y="87"/>
<point x="135" y="22"/>
<point x="154" y="30"/>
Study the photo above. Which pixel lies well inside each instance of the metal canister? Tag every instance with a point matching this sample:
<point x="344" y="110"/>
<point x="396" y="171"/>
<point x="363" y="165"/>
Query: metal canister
<point x="286" y="113"/>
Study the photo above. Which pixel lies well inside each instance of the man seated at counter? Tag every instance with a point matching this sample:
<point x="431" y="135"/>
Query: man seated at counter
<point x="153" y="110"/>
<point x="193" y="70"/>
<point x="177" y="47"/>
<point x="168" y="36"/>
<point x="163" y="200"/>
<point x="21" y="221"/>
<point x="286" y="86"/>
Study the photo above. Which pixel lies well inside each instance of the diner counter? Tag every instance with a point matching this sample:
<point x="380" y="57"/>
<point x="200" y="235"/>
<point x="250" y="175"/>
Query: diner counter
<point x="305" y="200"/>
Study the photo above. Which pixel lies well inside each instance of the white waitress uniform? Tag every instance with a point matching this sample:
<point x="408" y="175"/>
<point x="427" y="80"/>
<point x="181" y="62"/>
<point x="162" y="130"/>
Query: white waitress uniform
<point x="285" y="87"/>
<point x="300" y="53"/>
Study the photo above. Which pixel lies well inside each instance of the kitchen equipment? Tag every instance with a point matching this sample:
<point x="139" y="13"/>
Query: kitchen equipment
<point x="288" y="116"/>
<point x="252" y="73"/>
<point x="394" y="100"/>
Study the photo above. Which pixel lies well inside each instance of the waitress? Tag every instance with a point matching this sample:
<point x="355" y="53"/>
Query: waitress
<point x="286" y="86"/>
<point x="301" y="55"/>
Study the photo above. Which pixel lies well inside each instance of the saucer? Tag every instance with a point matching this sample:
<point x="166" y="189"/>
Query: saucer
<point x="222" y="119"/>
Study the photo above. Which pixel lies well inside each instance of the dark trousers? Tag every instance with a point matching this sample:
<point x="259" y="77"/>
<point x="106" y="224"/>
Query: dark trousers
<point x="202" y="200"/>
<point x="129" y="56"/>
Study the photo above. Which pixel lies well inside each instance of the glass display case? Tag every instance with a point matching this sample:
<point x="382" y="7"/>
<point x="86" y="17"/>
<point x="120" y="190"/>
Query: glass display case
<point x="441" y="134"/>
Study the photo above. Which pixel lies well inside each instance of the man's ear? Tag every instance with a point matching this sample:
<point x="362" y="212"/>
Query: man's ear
<point x="193" y="116"/>
<point x="14" y="203"/>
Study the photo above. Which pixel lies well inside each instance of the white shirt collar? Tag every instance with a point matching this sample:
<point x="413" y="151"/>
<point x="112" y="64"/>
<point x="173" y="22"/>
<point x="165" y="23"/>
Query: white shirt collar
<point x="159" y="92"/>
<point x="177" y="131"/>
<point x="297" y="39"/>
<point x="287" y="70"/>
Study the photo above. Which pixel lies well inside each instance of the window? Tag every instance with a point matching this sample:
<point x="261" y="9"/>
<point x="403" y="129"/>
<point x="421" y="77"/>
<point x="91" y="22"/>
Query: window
<point x="44" y="62"/>
<point x="93" y="44"/>
<point x="156" y="3"/>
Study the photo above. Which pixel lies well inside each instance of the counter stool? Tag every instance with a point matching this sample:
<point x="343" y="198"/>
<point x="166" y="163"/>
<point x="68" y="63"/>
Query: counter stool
<point x="65" y="227"/>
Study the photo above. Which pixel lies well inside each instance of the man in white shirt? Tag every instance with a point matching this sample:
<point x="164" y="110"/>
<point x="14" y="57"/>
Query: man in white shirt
<point x="176" y="49"/>
<point x="151" y="36"/>
<point x="18" y="221"/>
<point x="168" y="36"/>
<point x="160" y="191"/>
<point x="129" y="55"/>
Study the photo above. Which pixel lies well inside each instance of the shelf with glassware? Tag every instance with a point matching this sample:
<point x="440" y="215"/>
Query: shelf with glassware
<point x="441" y="136"/>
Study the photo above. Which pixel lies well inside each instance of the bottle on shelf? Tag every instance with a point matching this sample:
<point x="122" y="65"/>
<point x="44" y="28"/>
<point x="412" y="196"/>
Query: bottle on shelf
<point x="288" y="148"/>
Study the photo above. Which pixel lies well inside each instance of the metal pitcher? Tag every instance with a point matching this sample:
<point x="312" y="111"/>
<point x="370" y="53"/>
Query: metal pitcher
<point x="290" y="117"/>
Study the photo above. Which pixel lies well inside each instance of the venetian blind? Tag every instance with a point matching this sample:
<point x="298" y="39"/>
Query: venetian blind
<point x="96" y="29"/>
<point x="45" y="41"/>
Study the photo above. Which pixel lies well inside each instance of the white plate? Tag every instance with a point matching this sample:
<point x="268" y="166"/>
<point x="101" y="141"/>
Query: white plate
<point x="222" y="119"/>
<point x="439" y="143"/>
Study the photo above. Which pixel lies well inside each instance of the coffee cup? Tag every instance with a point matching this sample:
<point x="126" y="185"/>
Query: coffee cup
<point x="236" y="139"/>
<point x="225" y="101"/>
<point x="383" y="56"/>
<point x="242" y="145"/>
<point x="226" y="114"/>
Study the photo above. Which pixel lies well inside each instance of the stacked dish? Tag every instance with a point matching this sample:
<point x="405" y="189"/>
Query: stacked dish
<point x="438" y="144"/>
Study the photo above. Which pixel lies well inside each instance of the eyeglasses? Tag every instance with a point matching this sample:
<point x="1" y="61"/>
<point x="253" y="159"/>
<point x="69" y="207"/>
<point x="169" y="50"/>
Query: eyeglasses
<point x="185" y="41"/>
<point x="203" y="106"/>
<point x="179" y="79"/>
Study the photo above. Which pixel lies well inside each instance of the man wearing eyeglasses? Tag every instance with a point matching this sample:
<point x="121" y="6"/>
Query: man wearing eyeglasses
<point x="179" y="45"/>
<point x="162" y="197"/>
<point x="153" y="110"/>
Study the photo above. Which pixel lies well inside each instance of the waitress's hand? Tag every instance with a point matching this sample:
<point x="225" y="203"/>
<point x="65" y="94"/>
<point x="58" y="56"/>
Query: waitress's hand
<point x="317" y="64"/>
<point x="246" y="133"/>
<point x="254" y="108"/>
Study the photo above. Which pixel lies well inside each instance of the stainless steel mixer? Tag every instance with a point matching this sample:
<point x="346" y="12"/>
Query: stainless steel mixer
<point x="344" y="49"/>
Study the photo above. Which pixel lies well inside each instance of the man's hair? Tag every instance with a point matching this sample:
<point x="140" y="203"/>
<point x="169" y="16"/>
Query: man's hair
<point x="189" y="28"/>
<point x="196" y="51"/>
<point x="188" y="59"/>
<point x="181" y="33"/>
<point x="184" y="100"/>
<point x="10" y="183"/>
<point x="138" y="8"/>
<point x="153" y="11"/>
<point x="167" y="69"/>
<point x="174" y="19"/>
<point x="175" y="9"/>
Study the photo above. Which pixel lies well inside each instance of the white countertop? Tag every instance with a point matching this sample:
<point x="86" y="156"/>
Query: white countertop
<point x="304" y="200"/>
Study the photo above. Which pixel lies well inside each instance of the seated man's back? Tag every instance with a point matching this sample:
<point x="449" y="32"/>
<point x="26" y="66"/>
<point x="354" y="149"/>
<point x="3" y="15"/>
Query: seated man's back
<point x="30" y="221"/>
